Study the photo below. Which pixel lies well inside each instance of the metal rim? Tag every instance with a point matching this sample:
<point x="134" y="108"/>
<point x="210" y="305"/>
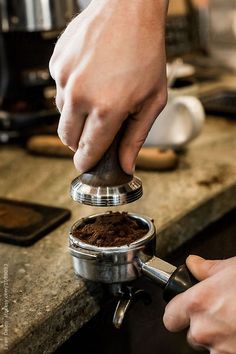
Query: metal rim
<point x="106" y="196"/>
<point x="134" y="245"/>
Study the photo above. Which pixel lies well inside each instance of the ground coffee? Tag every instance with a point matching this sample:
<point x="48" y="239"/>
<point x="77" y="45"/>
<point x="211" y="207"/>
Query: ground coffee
<point x="110" y="230"/>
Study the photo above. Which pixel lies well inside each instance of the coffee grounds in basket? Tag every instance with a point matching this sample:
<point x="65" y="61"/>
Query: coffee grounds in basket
<point x="110" y="230"/>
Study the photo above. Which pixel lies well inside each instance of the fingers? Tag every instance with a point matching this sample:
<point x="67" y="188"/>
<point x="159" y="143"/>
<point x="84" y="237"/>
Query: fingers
<point x="196" y="339"/>
<point x="197" y="299"/>
<point x="184" y="306"/>
<point x="176" y="316"/>
<point x="202" y="268"/>
<point x="71" y="126"/>
<point x="98" y="133"/>
<point x="138" y="127"/>
<point x="90" y="136"/>
<point x="178" y="311"/>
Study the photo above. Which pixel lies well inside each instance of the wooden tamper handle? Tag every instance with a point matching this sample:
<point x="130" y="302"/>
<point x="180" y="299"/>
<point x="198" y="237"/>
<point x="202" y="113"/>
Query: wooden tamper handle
<point x="107" y="172"/>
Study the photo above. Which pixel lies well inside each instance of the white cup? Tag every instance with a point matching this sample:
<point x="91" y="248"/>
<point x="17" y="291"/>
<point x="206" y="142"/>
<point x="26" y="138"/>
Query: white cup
<point x="180" y="122"/>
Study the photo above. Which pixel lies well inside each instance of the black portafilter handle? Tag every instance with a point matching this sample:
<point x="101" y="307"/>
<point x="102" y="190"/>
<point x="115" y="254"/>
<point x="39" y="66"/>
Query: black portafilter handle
<point x="180" y="281"/>
<point x="172" y="280"/>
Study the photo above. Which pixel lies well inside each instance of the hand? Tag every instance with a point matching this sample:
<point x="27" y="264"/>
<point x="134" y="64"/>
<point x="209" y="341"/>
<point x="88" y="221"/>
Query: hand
<point x="209" y="308"/>
<point x="109" y="66"/>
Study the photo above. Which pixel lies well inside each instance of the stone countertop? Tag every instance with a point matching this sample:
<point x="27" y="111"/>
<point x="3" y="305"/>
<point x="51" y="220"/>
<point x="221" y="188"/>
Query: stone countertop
<point x="44" y="303"/>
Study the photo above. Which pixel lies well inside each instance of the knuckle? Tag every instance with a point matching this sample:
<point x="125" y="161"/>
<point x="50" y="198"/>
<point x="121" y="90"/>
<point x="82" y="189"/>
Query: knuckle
<point x="197" y="335"/>
<point x="103" y="110"/>
<point x="73" y="96"/>
<point x="82" y="145"/>
<point x="86" y="150"/>
<point x="59" y="70"/>
<point x="214" y="266"/>
<point x="135" y="104"/>
<point x="86" y="145"/>
<point x="61" y="76"/>
<point x="196" y="301"/>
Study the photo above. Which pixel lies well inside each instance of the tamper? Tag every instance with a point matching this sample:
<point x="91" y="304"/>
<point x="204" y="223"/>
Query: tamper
<point x="106" y="184"/>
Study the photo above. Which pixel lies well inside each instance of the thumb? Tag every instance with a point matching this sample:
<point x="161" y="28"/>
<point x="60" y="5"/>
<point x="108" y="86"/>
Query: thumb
<point x="202" y="268"/>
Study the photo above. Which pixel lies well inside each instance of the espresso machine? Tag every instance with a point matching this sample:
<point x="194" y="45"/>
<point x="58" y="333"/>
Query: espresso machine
<point x="28" y="32"/>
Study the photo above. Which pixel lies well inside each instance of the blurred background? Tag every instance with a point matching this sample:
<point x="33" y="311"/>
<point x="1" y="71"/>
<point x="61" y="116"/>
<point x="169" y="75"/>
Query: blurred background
<point x="200" y="32"/>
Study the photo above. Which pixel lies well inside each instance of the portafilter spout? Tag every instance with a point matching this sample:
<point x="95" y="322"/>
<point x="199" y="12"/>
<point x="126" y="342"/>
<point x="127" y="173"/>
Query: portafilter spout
<point x="106" y="184"/>
<point x="173" y="280"/>
<point x="127" y="295"/>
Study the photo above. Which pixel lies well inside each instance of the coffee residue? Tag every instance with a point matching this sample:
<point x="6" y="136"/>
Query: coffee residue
<point x="210" y="181"/>
<point x="12" y="216"/>
<point x="111" y="230"/>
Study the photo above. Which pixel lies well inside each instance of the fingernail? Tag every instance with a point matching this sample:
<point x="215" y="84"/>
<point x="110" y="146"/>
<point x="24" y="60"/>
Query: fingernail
<point x="77" y="162"/>
<point x="195" y="258"/>
<point x="127" y="167"/>
<point x="130" y="171"/>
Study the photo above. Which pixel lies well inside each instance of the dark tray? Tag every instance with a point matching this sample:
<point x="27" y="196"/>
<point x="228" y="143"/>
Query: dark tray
<point x="23" y="223"/>
<point x="220" y="102"/>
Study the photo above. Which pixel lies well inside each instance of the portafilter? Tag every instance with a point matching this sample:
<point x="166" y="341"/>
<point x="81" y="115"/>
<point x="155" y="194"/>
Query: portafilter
<point x="121" y="265"/>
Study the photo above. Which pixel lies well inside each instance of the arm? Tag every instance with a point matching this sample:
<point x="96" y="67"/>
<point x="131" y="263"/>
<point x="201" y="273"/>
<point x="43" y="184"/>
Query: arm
<point x="109" y="67"/>
<point x="208" y="308"/>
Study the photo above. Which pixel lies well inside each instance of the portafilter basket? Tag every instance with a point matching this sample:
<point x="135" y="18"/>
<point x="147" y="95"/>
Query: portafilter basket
<point x="115" y="265"/>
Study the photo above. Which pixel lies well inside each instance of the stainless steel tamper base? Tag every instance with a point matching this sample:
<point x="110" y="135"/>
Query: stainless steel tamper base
<point x="106" y="196"/>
